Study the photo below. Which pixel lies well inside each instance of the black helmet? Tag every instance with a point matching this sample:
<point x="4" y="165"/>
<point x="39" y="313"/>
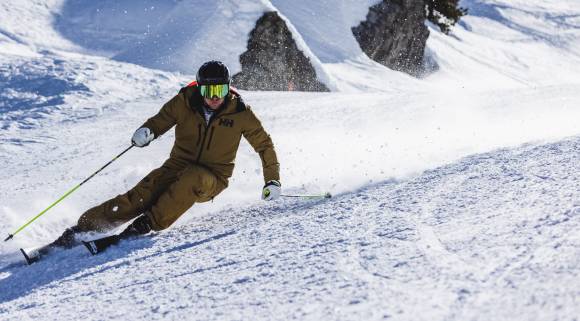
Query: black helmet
<point x="213" y="73"/>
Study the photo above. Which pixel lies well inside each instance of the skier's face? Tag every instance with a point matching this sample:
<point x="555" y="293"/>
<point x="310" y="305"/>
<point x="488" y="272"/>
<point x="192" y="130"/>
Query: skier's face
<point x="213" y="103"/>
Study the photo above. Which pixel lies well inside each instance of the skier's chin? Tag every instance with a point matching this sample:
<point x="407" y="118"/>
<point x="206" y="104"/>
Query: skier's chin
<point x="214" y="103"/>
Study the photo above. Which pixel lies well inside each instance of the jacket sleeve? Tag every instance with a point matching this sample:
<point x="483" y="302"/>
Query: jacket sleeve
<point x="263" y="145"/>
<point x="165" y="118"/>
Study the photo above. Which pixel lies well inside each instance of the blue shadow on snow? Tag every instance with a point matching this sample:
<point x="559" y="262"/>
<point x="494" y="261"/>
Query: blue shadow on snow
<point x="62" y="264"/>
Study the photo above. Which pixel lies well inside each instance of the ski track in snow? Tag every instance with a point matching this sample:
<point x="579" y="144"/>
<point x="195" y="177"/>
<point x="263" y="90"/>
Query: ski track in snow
<point x="463" y="241"/>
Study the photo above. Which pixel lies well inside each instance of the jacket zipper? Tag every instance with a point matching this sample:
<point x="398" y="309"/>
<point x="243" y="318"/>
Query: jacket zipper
<point x="198" y="134"/>
<point x="201" y="147"/>
<point x="205" y="133"/>
<point x="204" y="136"/>
<point x="210" y="137"/>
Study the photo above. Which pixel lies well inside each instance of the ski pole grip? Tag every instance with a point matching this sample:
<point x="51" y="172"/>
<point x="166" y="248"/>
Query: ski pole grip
<point x="10" y="236"/>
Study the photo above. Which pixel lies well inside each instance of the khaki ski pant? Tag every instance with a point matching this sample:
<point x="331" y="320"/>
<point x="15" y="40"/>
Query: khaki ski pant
<point x="164" y="195"/>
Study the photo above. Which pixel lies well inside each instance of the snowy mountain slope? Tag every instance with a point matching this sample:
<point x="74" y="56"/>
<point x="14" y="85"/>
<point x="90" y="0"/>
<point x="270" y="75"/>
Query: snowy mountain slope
<point x="176" y="36"/>
<point x="71" y="87"/>
<point x="30" y="24"/>
<point x="452" y="243"/>
<point x="170" y="35"/>
<point x="173" y="36"/>
<point x="344" y="151"/>
<point x="510" y="44"/>
<point x="326" y="25"/>
<point x="489" y="237"/>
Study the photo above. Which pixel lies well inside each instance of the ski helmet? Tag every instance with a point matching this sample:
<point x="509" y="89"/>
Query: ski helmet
<point x="213" y="73"/>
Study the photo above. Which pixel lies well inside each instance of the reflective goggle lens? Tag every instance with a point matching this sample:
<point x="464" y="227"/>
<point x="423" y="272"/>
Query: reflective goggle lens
<point x="210" y="91"/>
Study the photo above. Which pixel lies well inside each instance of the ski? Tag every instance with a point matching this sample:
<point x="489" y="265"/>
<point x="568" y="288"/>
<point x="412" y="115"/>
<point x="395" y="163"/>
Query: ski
<point x="136" y="228"/>
<point x="33" y="255"/>
<point x="99" y="245"/>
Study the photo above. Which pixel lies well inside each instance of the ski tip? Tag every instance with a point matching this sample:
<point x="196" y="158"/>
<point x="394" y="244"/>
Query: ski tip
<point x="327" y="195"/>
<point x="91" y="246"/>
<point x="29" y="259"/>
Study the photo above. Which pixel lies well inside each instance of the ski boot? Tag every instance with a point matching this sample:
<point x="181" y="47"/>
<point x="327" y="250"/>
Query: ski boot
<point x="66" y="241"/>
<point x="140" y="226"/>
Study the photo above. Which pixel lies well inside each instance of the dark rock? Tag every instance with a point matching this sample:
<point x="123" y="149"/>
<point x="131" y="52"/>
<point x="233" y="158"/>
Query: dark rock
<point x="444" y="13"/>
<point x="394" y="34"/>
<point x="273" y="61"/>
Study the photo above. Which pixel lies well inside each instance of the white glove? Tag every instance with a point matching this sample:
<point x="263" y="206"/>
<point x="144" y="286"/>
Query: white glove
<point x="271" y="191"/>
<point x="142" y="137"/>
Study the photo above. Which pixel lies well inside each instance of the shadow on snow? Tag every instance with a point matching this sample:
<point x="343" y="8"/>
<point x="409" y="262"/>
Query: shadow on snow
<point x="63" y="264"/>
<point x="479" y="8"/>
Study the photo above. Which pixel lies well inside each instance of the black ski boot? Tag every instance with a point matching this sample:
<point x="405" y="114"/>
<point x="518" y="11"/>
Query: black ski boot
<point x="140" y="226"/>
<point x="66" y="241"/>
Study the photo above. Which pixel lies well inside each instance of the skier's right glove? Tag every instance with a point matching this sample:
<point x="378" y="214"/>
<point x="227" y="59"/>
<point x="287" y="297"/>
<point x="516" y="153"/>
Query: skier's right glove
<point x="271" y="191"/>
<point x="142" y="137"/>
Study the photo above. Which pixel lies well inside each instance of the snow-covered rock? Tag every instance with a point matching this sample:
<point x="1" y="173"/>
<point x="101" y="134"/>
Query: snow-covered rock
<point x="394" y="34"/>
<point x="273" y="61"/>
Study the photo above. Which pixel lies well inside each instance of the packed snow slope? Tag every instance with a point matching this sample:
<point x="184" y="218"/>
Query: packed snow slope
<point x="479" y="239"/>
<point x="456" y="195"/>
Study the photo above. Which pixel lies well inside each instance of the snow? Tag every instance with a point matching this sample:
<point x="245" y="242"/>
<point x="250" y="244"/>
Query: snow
<point x="456" y="195"/>
<point x="317" y="22"/>
<point x="414" y="249"/>
<point x="511" y="45"/>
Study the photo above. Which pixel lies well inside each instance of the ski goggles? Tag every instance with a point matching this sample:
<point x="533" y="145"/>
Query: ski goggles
<point x="210" y="91"/>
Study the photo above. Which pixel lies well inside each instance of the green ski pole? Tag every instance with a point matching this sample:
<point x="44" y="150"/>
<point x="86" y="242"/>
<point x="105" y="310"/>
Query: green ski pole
<point x="325" y="195"/>
<point x="10" y="236"/>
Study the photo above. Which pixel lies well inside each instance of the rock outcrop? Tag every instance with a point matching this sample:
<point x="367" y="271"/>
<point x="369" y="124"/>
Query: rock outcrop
<point x="394" y="34"/>
<point x="273" y="61"/>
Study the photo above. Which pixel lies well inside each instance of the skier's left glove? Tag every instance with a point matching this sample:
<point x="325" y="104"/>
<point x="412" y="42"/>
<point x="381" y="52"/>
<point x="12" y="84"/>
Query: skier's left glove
<point x="271" y="191"/>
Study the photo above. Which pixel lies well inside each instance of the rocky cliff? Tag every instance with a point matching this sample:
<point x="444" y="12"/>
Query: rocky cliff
<point x="394" y="34"/>
<point x="273" y="61"/>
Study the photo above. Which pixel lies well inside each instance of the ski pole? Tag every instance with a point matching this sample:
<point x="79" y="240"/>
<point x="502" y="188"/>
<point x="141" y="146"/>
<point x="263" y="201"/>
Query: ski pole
<point x="325" y="195"/>
<point x="10" y="236"/>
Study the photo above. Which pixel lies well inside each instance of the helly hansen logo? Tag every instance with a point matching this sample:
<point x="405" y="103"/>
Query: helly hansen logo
<point x="226" y="122"/>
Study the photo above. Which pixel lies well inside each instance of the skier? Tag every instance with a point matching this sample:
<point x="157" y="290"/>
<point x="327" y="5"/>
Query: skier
<point x="210" y="118"/>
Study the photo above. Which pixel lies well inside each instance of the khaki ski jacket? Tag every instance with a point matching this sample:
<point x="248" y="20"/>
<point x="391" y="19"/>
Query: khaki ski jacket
<point x="213" y="145"/>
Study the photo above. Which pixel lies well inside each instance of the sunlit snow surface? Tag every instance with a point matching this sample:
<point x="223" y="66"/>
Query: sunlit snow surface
<point x="457" y="196"/>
